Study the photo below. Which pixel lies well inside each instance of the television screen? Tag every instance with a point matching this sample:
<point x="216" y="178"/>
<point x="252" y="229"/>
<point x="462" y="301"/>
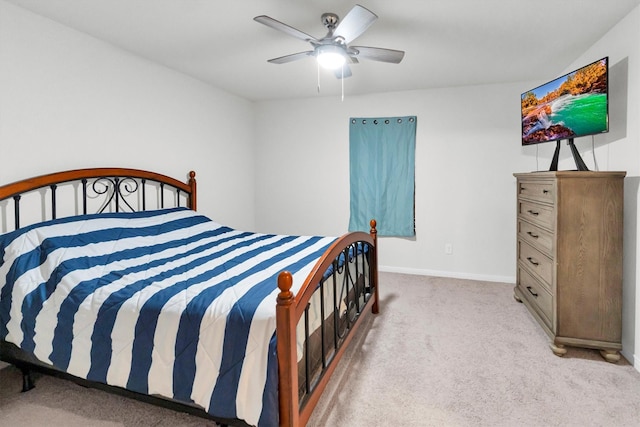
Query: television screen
<point x="568" y="107"/>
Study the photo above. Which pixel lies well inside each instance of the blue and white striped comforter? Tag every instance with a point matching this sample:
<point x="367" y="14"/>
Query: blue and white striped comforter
<point x="161" y="302"/>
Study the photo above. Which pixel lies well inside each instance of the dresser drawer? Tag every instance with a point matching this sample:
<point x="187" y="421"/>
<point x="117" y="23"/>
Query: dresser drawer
<point x="542" y="191"/>
<point x="538" y="214"/>
<point x="536" y="293"/>
<point x="536" y="236"/>
<point x="536" y="261"/>
<point x="570" y="256"/>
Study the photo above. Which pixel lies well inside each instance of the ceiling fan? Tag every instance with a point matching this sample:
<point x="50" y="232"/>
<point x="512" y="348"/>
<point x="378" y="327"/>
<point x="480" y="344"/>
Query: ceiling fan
<point x="333" y="50"/>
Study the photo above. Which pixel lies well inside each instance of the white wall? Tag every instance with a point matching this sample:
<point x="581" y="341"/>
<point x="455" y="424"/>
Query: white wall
<point x="467" y="148"/>
<point x="70" y="101"/>
<point x="620" y="150"/>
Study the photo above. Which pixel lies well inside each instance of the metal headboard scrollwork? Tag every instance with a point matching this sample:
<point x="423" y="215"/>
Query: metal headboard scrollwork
<point x="93" y="191"/>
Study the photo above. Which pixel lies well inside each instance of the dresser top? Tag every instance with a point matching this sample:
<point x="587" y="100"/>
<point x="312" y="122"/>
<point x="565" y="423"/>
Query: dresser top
<point x="571" y="174"/>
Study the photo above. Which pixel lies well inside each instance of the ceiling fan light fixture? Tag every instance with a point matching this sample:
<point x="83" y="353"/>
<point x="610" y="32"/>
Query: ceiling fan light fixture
<point x="330" y="57"/>
<point x="333" y="51"/>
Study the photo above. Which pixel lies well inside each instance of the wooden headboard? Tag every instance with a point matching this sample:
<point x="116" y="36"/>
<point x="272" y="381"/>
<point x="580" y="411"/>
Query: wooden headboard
<point x="83" y="191"/>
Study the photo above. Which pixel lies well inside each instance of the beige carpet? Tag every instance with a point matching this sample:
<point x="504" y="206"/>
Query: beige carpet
<point x="442" y="352"/>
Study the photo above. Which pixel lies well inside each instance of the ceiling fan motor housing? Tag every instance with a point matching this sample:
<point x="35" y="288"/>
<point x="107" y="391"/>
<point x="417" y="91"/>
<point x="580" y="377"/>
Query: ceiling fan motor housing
<point x="336" y="43"/>
<point x="329" y="20"/>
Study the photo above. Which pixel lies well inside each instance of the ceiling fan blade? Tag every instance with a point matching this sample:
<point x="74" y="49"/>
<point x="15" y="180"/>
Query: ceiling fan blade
<point x="291" y="58"/>
<point x="354" y="23"/>
<point x="343" y="72"/>
<point x="277" y="25"/>
<point x="379" y="54"/>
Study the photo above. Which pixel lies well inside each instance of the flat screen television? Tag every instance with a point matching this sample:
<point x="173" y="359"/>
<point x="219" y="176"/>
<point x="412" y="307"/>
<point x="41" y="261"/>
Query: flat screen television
<point x="571" y="106"/>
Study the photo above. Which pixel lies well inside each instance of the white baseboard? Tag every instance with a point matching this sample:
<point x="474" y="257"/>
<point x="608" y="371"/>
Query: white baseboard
<point x="455" y="275"/>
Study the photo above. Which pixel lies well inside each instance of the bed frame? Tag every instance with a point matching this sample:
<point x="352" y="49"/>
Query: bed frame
<point x="121" y="189"/>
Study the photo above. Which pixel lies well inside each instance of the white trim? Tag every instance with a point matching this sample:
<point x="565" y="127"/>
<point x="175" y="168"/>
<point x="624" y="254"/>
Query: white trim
<point x="452" y="274"/>
<point x="636" y="361"/>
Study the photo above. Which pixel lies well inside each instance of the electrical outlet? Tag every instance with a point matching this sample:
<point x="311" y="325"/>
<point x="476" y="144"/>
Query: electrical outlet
<point x="448" y="248"/>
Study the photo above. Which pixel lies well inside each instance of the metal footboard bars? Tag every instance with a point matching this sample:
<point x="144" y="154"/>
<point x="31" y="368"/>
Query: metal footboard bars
<point x="345" y="284"/>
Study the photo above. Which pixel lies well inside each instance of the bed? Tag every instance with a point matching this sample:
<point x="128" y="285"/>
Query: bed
<point x="109" y="277"/>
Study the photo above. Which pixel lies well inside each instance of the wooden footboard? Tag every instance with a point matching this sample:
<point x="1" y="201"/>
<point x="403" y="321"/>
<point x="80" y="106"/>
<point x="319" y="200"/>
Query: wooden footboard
<point x="346" y="274"/>
<point x="353" y="258"/>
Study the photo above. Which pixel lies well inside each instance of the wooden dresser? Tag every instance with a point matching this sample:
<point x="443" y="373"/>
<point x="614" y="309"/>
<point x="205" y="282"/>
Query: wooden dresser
<point x="569" y="272"/>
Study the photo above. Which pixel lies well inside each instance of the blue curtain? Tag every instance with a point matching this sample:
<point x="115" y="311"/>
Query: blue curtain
<point x="382" y="174"/>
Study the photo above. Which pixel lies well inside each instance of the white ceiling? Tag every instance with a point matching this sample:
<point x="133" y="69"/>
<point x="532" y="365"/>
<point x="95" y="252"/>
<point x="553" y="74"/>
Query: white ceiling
<point x="447" y="42"/>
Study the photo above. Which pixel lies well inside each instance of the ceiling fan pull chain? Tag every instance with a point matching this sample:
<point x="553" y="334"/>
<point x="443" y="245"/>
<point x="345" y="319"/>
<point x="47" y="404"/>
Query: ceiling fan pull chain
<point x="342" y="83"/>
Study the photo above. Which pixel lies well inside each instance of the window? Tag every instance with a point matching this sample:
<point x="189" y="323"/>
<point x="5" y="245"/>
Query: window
<point x="382" y="174"/>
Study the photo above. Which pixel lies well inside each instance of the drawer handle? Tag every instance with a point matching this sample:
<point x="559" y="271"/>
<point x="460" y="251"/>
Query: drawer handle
<point x="533" y="212"/>
<point x="532" y="261"/>
<point x="535" y="236"/>
<point x="545" y="191"/>
<point x="531" y="292"/>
